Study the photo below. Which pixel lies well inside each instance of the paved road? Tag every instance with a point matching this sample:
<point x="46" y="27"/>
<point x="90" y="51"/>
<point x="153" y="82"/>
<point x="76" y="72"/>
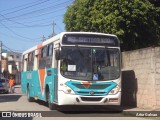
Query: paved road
<point x="17" y="102"/>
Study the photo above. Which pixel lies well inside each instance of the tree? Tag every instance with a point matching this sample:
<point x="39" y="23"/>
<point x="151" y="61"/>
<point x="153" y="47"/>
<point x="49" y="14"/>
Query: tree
<point x="133" y="21"/>
<point x="155" y="2"/>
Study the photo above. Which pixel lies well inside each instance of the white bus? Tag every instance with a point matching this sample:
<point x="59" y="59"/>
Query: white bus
<point x="74" y="68"/>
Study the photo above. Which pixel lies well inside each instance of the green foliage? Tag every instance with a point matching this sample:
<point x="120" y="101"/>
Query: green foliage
<point x="135" y="22"/>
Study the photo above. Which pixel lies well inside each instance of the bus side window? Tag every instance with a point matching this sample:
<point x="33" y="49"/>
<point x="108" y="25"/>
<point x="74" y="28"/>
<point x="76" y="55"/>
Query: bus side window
<point x="36" y="62"/>
<point x="41" y="59"/>
<point x="22" y="64"/>
<point x="48" y="59"/>
<point x="55" y="61"/>
<point x="30" y="62"/>
<point x="50" y="50"/>
<point x="41" y="53"/>
<point x="45" y="52"/>
<point x="25" y="62"/>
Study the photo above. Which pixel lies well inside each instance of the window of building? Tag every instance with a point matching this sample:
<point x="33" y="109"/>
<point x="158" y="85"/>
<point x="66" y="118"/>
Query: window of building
<point x="17" y="56"/>
<point x="12" y="56"/>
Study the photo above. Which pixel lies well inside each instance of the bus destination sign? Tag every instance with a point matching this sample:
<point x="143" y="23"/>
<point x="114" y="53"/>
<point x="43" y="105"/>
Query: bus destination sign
<point x="88" y="39"/>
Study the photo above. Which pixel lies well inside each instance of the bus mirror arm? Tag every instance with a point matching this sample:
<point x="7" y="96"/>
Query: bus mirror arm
<point x="58" y="54"/>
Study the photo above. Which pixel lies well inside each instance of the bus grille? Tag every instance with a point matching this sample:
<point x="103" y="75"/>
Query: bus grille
<point x="91" y="98"/>
<point x="88" y="93"/>
<point x="80" y="86"/>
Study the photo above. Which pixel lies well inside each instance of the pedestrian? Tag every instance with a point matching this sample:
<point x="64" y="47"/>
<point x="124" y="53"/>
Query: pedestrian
<point x="11" y="84"/>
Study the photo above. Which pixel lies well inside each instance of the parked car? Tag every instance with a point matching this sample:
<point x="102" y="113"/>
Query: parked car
<point x="4" y="88"/>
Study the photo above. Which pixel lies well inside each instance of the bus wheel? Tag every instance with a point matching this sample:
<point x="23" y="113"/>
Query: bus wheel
<point x="50" y="105"/>
<point x="30" y="99"/>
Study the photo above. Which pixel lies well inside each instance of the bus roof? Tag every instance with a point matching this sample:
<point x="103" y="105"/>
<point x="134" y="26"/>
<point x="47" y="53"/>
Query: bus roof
<point x="96" y="33"/>
<point x="59" y="36"/>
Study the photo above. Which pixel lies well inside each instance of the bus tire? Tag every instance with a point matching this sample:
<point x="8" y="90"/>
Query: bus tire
<point x="50" y="105"/>
<point x="30" y="99"/>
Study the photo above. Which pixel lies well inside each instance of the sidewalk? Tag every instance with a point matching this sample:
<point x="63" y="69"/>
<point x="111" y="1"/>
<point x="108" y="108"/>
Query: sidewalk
<point x="140" y="109"/>
<point x="143" y="113"/>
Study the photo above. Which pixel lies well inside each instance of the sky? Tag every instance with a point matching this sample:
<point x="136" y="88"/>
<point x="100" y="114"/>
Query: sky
<point x="23" y="23"/>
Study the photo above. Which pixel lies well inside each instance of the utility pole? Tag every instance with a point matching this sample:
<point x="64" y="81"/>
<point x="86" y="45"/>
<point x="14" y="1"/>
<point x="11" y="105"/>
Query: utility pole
<point x="53" y="34"/>
<point x="53" y="29"/>
<point x="0" y="59"/>
<point x="43" y="38"/>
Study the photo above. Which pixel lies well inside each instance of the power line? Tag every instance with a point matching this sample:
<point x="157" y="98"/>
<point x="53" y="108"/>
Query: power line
<point x="15" y="32"/>
<point x="34" y="40"/>
<point x="19" y="6"/>
<point x="45" y="10"/>
<point x="32" y="12"/>
<point x="12" y="50"/>
<point x="44" y="13"/>
<point x="28" y="26"/>
<point x="26" y="7"/>
<point x="24" y="23"/>
<point x="55" y="17"/>
<point x="46" y="25"/>
<point x="58" y="27"/>
<point x="13" y="21"/>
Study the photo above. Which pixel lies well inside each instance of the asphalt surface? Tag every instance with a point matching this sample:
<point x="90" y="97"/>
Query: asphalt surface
<point x="17" y="103"/>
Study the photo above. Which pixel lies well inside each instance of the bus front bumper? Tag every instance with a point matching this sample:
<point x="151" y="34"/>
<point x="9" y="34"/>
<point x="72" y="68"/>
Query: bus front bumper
<point x="69" y="99"/>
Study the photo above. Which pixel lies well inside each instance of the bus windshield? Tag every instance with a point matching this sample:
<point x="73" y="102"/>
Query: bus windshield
<point x="80" y="63"/>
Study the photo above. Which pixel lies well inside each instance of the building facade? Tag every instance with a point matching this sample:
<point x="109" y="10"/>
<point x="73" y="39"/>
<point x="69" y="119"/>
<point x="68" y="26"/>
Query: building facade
<point x="11" y="64"/>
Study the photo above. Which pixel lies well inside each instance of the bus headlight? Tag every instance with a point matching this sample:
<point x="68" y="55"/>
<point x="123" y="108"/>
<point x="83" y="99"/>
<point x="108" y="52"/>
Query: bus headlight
<point x="68" y="90"/>
<point x="114" y="90"/>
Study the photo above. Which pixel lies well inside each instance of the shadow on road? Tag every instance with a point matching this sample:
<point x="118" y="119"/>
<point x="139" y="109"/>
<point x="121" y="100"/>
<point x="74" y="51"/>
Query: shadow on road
<point x="9" y="97"/>
<point x="90" y="110"/>
<point x="84" y="109"/>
